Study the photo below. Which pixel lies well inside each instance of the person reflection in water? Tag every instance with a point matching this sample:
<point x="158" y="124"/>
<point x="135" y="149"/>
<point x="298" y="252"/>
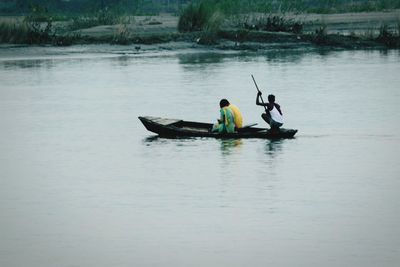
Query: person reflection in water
<point x="230" y="118"/>
<point x="274" y="116"/>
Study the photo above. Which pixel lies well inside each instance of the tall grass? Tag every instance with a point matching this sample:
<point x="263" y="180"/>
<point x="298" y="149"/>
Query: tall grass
<point x="206" y="17"/>
<point x="13" y="32"/>
<point x="122" y="35"/>
<point x="195" y="16"/>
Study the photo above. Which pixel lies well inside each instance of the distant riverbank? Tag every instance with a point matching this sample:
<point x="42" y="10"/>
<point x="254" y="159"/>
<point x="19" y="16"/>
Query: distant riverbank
<point x="347" y="30"/>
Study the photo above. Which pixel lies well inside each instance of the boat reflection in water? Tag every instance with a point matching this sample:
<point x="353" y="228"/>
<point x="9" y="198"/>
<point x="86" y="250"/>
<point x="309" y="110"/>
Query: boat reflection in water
<point x="230" y="145"/>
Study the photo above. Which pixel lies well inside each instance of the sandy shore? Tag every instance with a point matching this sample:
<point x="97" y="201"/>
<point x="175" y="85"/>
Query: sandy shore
<point x="364" y="22"/>
<point x="136" y="25"/>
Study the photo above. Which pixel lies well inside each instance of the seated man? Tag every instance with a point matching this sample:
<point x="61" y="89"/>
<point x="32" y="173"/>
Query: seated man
<point x="274" y="116"/>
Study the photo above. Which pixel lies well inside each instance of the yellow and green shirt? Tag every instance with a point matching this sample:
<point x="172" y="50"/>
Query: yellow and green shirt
<point x="237" y="115"/>
<point x="227" y="120"/>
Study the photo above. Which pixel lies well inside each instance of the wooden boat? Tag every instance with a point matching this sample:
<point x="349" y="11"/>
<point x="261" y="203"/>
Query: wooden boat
<point x="173" y="128"/>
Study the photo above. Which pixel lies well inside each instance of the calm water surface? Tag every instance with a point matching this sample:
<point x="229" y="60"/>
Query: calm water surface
<point x="82" y="183"/>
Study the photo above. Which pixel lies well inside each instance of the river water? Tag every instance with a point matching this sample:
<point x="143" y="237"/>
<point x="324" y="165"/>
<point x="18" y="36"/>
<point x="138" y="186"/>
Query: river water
<point x="82" y="183"/>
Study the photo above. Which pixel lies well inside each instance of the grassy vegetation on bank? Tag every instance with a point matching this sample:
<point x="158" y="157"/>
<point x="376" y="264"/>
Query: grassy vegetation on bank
<point x="208" y="16"/>
<point x="31" y="32"/>
<point x="207" y="21"/>
<point x="153" y="7"/>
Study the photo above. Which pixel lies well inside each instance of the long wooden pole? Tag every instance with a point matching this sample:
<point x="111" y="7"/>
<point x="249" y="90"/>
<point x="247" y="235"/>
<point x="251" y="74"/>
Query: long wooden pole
<point x="262" y="100"/>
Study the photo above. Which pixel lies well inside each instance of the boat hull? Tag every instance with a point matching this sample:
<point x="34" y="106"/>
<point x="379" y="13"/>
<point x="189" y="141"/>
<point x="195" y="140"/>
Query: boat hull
<point x="172" y="128"/>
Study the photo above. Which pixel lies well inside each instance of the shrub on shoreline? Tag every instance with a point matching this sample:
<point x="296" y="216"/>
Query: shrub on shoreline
<point x="32" y="32"/>
<point x="28" y="31"/>
<point x="388" y="38"/>
<point x="102" y="17"/>
<point x="274" y="23"/>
